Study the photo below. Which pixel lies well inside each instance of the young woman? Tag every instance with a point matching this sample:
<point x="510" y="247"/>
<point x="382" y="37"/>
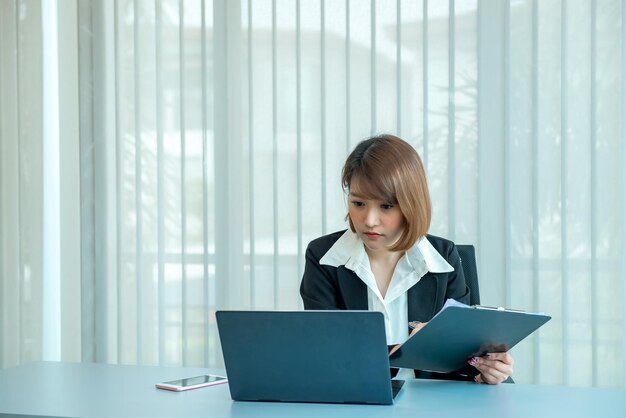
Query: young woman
<point x="386" y="261"/>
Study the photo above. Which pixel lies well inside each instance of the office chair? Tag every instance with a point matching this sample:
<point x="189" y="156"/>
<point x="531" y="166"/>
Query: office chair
<point x="468" y="261"/>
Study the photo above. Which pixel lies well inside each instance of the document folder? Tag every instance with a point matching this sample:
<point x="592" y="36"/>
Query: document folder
<point x="459" y="332"/>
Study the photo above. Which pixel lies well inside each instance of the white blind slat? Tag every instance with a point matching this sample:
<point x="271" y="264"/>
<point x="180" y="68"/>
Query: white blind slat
<point x="451" y="122"/>
<point x="183" y="179"/>
<point x="594" y="194"/>
<point x="205" y="189"/>
<point x="535" y="180"/>
<point x="119" y="207"/>
<point x="425" y="83"/>
<point x="160" y="179"/>
<point x="275" y="157"/>
<point x="251" y="153"/>
<point x="564" y="194"/>
<point x="373" y="107"/>
<point x="138" y="184"/>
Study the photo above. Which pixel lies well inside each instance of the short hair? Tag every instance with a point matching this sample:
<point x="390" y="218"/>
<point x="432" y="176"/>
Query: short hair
<point x="389" y="169"/>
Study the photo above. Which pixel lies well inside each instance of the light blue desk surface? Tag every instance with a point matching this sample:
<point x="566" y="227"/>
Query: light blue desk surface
<point x="101" y="390"/>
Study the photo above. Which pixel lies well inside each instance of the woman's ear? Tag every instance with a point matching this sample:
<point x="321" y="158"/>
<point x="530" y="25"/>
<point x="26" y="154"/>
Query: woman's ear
<point x="347" y="218"/>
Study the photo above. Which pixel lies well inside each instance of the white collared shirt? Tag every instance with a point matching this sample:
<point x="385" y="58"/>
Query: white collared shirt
<point x="418" y="260"/>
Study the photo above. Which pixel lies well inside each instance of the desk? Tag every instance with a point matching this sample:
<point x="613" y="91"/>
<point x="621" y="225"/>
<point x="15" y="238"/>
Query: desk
<point x="101" y="390"/>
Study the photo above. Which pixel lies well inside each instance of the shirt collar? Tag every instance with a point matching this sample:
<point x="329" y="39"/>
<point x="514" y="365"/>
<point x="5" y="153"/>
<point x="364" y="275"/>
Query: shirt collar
<point x="424" y="252"/>
<point x="350" y="248"/>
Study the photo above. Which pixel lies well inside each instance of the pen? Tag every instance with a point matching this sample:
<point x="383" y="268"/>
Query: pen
<point x="495" y="308"/>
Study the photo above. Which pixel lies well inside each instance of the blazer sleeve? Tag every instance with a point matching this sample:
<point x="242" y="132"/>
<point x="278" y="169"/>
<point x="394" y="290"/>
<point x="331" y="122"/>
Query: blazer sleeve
<point x="319" y="287"/>
<point x="457" y="288"/>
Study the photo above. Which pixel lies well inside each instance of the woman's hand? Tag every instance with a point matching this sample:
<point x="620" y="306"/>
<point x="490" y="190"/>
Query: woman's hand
<point x="494" y="368"/>
<point x="416" y="327"/>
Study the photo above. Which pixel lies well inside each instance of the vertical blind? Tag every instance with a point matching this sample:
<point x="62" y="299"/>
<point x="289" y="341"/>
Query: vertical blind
<point x="39" y="265"/>
<point x="213" y="134"/>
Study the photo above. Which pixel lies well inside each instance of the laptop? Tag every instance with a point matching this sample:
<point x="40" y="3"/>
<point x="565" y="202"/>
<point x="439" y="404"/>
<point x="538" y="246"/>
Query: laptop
<point x="307" y="356"/>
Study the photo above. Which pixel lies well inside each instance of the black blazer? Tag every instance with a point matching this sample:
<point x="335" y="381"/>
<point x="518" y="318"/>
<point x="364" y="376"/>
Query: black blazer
<point x="328" y="287"/>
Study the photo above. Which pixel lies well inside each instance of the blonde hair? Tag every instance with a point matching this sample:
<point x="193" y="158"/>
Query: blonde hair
<point x="389" y="169"/>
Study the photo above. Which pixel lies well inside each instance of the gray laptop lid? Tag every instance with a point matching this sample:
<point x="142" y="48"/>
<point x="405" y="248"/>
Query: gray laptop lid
<point x="306" y="356"/>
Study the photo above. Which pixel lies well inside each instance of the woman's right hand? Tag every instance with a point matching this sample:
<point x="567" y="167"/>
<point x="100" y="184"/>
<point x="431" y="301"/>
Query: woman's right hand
<point x="416" y="327"/>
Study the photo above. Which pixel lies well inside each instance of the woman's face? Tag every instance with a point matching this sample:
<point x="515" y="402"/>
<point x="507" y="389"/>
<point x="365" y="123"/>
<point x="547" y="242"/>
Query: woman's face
<point x="379" y="224"/>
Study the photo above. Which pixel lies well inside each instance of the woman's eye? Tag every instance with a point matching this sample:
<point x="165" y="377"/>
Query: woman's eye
<point x="386" y="206"/>
<point x="357" y="203"/>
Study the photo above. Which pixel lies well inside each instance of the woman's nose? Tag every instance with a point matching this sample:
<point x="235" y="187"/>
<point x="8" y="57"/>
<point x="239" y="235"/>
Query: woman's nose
<point x="371" y="218"/>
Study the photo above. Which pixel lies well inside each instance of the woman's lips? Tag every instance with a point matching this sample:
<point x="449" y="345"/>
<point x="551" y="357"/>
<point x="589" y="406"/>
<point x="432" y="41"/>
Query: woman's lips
<point x="373" y="235"/>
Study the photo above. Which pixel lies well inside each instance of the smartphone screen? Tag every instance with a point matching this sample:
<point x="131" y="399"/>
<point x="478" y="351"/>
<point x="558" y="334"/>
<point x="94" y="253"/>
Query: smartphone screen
<point x="191" y="382"/>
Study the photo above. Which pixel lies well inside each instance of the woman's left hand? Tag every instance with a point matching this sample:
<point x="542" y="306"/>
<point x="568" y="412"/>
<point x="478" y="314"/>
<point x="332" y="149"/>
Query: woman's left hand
<point x="494" y="368"/>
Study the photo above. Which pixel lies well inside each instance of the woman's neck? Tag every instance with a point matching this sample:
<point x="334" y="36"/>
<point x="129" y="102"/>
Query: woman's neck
<point x="384" y="257"/>
<point x="383" y="264"/>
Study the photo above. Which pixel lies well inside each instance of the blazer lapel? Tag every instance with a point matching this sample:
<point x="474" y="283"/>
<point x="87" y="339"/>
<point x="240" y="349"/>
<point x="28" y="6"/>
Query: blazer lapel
<point x="353" y="290"/>
<point x="422" y="299"/>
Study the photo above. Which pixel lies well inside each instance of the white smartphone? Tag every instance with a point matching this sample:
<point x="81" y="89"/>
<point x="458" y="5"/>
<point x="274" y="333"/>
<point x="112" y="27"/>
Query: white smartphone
<point x="191" y="383"/>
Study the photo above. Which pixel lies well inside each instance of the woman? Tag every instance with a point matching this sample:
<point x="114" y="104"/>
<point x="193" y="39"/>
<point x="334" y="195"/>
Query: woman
<point x="386" y="262"/>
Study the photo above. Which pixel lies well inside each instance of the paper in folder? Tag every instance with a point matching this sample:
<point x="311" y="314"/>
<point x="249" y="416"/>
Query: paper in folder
<point x="459" y="332"/>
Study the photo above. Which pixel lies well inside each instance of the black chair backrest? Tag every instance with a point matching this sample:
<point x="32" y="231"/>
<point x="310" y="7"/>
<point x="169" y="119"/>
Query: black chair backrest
<point x="468" y="261"/>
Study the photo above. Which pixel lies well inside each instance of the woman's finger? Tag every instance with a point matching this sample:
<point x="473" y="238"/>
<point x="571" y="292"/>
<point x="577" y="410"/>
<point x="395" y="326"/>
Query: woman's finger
<point x="500" y="366"/>
<point x="492" y="376"/>
<point x="503" y="357"/>
<point x="494" y="369"/>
